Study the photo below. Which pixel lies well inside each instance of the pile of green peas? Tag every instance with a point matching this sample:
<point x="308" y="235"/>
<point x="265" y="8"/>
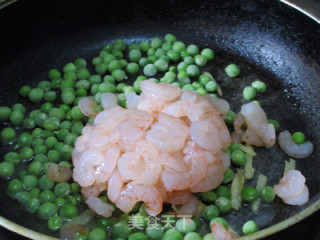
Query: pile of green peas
<point x="47" y="134"/>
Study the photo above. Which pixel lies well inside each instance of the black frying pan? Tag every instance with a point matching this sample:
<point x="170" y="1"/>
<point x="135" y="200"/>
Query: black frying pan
<point x="269" y="40"/>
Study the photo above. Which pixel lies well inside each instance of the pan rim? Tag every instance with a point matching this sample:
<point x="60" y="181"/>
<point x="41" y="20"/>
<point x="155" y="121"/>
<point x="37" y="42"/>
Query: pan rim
<point x="314" y="207"/>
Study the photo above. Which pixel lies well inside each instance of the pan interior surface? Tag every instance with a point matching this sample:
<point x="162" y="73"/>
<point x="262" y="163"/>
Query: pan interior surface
<point x="268" y="40"/>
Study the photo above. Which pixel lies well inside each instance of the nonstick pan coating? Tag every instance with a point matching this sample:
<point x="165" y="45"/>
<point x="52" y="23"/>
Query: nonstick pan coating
<point x="270" y="42"/>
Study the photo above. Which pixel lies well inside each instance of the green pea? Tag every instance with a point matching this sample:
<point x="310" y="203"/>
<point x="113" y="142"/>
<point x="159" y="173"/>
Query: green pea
<point x="51" y="123"/>
<point x="192" y="49"/>
<point x="68" y="211"/>
<point x="150" y="70"/>
<point x="298" y="137"/>
<point x="249" y="194"/>
<point x="186" y="225"/>
<point x="155" y="231"/>
<point x="230" y="117"/>
<point x="208" y="53"/>
<point x="223" y="191"/>
<point x="193" y="70"/>
<point x="40" y="149"/>
<point x="62" y="189"/>
<point x="45" y="183"/>
<point x="212" y="86"/>
<point x="249" y="93"/>
<point x="26" y="153"/>
<point x="211" y="211"/>
<point x="161" y="65"/>
<point x="118" y="75"/>
<point x="170" y="38"/>
<point x="228" y="176"/>
<point x="8" y="134"/>
<point x="70" y="67"/>
<point x="119" y="44"/>
<point x="16" y="118"/>
<point x="144" y="46"/>
<point x="200" y="60"/>
<point x="41" y="158"/>
<point x="67" y="96"/>
<point x="22" y="196"/>
<point x="208" y="236"/>
<point x="238" y="158"/>
<point x="44" y="85"/>
<point x="138" y="236"/>
<point x="35" y="168"/>
<point x="6" y="169"/>
<point x="14" y="186"/>
<point x="47" y="196"/>
<point x="132" y="68"/>
<point x="24" y="91"/>
<point x="267" y="194"/>
<point x="32" y="204"/>
<point x="29" y="182"/>
<point x="259" y="86"/>
<point x="121" y="229"/>
<point x="232" y="70"/>
<point x="97" y="234"/>
<point x="35" y="192"/>
<point x="192" y="236"/>
<point x="174" y="56"/>
<point x="47" y="210"/>
<point x="223" y="204"/>
<point x="275" y="124"/>
<point x="135" y="55"/>
<point x="36" y="95"/>
<point x="172" y="234"/>
<point x="12" y="157"/>
<point x="209" y="196"/>
<point x="54" y="223"/>
<point x="250" y="227"/>
<point x="220" y="220"/>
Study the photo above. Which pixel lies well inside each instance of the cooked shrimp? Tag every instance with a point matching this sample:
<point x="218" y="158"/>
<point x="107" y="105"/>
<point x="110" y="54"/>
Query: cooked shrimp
<point x="151" y="105"/>
<point x="179" y="181"/>
<point x="94" y="190"/>
<point x="87" y="105"/>
<point x="300" y="199"/>
<point x="212" y="179"/>
<point x="177" y="109"/>
<point x="109" y="119"/>
<point x="108" y="100"/>
<point x="133" y="100"/>
<point x="178" y="197"/>
<point x="189" y="96"/>
<point x="257" y="126"/>
<point x="101" y="208"/>
<point x="173" y="161"/>
<point x="291" y="185"/>
<point x="190" y="207"/>
<point x="115" y="184"/>
<point x="162" y="91"/>
<point x="206" y="135"/>
<point x="130" y="166"/>
<point x="58" y="173"/>
<point x="220" y="233"/>
<point x="292" y="188"/>
<point x="105" y="169"/>
<point x="168" y="134"/>
<point x="133" y="193"/>
<point x="151" y="158"/>
<point x="84" y="175"/>
<point x="292" y="149"/>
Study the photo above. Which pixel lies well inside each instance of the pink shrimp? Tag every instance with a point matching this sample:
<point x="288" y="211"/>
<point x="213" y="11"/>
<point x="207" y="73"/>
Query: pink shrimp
<point x="105" y="169"/>
<point x="133" y="193"/>
<point x="220" y="233"/>
<point x="168" y="134"/>
<point x="179" y="181"/>
<point x="115" y="184"/>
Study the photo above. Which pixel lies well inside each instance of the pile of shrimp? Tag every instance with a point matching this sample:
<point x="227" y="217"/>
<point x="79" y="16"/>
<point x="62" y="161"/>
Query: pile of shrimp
<point x="165" y="146"/>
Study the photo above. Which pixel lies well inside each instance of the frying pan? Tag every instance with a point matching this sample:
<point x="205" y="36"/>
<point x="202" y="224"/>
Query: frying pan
<point x="269" y="40"/>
